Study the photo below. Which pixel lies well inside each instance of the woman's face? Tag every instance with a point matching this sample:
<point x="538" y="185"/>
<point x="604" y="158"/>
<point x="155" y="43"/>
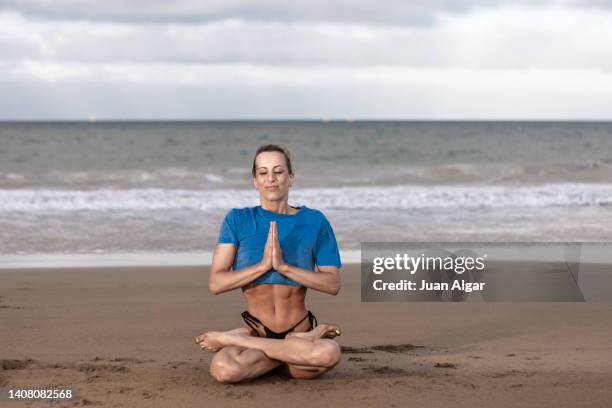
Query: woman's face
<point x="272" y="178"/>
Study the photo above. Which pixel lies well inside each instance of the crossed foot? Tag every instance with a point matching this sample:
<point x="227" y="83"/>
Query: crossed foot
<point x="214" y="341"/>
<point x="322" y="331"/>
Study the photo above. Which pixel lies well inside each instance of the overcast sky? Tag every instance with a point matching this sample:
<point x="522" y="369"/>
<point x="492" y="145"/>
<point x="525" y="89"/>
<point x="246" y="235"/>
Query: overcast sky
<point x="236" y="59"/>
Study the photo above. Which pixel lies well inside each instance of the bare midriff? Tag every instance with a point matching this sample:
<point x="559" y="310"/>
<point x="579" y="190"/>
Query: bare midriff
<point x="277" y="306"/>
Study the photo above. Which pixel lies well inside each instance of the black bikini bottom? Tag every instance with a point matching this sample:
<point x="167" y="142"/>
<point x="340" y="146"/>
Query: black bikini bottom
<point x="252" y="322"/>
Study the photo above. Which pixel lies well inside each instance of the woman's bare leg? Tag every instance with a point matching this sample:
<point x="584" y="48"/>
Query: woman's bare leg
<point x="214" y="348"/>
<point x="293" y="350"/>
<point x="236" y="364"/>
<point x="323" y="330"/>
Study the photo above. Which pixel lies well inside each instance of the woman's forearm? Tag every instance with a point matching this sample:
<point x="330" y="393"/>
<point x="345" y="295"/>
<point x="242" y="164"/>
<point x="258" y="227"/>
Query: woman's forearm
<point x="224" y="281"/>
<point x="322" y="281"/>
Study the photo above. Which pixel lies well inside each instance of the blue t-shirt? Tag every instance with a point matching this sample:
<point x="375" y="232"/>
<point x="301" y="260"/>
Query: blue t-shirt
<point x="306" y="239"/>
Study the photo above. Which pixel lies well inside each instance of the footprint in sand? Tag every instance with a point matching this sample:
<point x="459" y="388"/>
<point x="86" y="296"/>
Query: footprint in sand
<point x="127" y="360"/>
<point x="389" y="348"/>
<point x="355" y="350"/>
<point x="385" y="370"/>
<point x="396" y="348"/>
<point x="10" y="364"/>
<point x="102" y="368"/>
<point x="508" y="373"/>
<point x="86" y="402"/>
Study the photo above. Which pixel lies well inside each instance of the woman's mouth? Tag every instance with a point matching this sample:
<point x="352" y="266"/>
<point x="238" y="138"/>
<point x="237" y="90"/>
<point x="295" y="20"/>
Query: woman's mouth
<point x="271" y="187"/>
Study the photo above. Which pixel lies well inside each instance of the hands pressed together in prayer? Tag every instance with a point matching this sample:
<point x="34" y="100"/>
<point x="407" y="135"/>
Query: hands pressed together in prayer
<point x="273" y="254"/>
<point x="328" y="281"/>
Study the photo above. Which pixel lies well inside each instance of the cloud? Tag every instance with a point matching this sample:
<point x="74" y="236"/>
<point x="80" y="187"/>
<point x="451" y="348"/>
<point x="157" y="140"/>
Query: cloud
<point x="488" y="38"/>
<point x="444" y="59"/>
<point x="262" y="10"/>
<point x="152" y="91"/>
<point x="419" y="12"/>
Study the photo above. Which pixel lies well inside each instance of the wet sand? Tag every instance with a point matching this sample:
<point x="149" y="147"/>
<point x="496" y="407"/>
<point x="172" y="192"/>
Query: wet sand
<point x="123" y="337"/>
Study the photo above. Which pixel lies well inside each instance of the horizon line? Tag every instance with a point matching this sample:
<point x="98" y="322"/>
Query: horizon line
<point x="312" y="120"/>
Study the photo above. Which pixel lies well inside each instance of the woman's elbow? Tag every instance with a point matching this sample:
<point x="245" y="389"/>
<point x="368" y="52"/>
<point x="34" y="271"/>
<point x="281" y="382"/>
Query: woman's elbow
<point x="332" y="280"/>
<point x="214" y="288"/>
<point x="334" y="289"/>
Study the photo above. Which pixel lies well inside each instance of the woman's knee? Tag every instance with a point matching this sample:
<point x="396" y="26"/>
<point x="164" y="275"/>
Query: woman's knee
<point x="326" y="353"/>
<point x="226" y="370"/>
<point x="304" y="373"/>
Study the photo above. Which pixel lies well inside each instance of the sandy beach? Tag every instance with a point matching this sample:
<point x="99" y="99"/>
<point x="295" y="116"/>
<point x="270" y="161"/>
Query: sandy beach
<point x="123" y="337"/>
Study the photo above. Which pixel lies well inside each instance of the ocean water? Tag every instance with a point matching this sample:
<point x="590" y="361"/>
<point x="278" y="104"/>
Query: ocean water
<point x="111" y="187"/>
